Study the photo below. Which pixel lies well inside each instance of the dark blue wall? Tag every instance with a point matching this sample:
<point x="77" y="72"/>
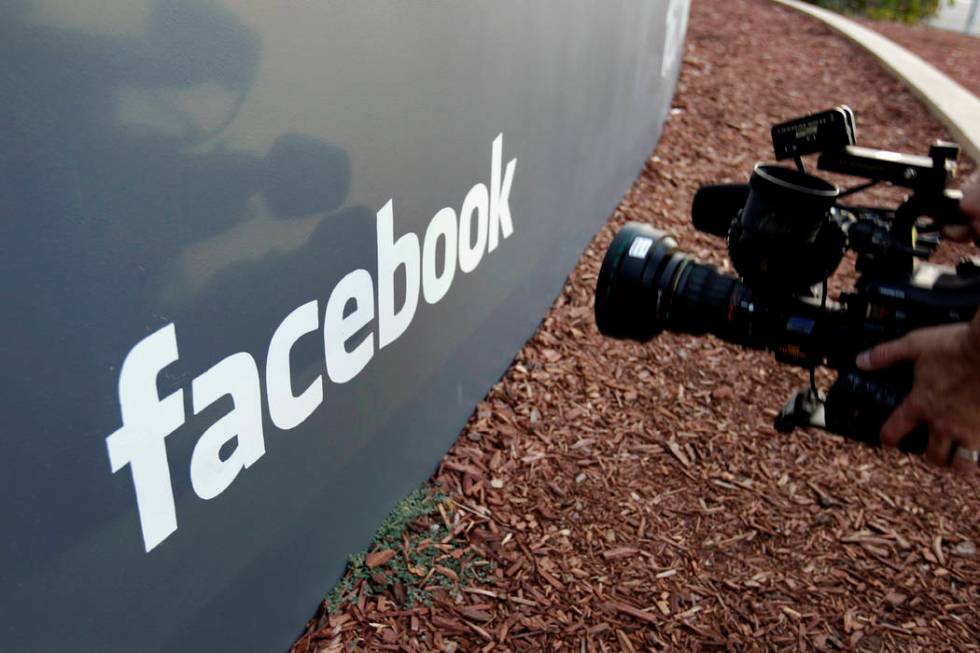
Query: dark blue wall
<point x="176" y="178"/>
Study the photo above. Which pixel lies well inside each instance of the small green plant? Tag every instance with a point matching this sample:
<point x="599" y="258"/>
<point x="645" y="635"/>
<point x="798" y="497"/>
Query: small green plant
<point x="908" y="11"/>
<point x="424" y="556"/>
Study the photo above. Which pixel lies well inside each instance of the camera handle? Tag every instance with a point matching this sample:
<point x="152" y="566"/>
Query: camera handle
<point x="856" y="407"/>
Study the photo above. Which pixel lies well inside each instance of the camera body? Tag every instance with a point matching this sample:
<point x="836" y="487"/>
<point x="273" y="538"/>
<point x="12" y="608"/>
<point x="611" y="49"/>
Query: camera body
<point x="787" y="231"/>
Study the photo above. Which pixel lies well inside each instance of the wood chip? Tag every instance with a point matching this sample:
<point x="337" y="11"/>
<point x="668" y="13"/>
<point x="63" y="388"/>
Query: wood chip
<point x="624" y="642"/>
<point x="678" y="453"/>
<point x="636" y="613"/>
<point x="378" y="558"/>
<point x="622" y="552"/>
<point x="895" y="599"/>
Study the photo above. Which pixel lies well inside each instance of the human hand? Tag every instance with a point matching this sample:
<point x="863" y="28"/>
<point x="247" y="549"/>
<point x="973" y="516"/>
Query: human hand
<point x="970" y="206"/>
<point x="945" y="395"/>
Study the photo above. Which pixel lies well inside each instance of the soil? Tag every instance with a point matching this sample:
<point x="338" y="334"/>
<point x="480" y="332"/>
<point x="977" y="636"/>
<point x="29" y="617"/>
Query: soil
<point x="957" y="55"/>
<point x="635" y="497"/>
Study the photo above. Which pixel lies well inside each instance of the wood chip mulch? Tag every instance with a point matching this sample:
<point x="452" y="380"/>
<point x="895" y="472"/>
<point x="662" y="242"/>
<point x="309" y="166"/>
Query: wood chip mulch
<point x="635" y="497"/>
<point x="955" y="54"/>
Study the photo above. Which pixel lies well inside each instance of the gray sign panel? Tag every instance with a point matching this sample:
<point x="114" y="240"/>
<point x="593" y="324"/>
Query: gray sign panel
<point x="259" y="262"/>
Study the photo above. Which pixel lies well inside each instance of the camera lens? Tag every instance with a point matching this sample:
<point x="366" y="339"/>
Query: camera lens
<point x="646" y="285"/>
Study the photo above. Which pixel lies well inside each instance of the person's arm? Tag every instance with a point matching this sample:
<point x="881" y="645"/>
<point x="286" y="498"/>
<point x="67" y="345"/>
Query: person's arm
<point x="945" y="395"/>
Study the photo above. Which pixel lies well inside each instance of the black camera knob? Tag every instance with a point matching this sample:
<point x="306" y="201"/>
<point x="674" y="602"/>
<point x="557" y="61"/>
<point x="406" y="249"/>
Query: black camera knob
<point x="968" y="267"/>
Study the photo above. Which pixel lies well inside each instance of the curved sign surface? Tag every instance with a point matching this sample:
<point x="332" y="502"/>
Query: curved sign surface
<point x="259" y="262"/>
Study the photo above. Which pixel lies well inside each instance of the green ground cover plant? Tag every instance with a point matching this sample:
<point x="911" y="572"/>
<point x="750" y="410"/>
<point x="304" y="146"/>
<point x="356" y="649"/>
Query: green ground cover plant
<point x="413" y="554"/>
<point x="907" y="11"/>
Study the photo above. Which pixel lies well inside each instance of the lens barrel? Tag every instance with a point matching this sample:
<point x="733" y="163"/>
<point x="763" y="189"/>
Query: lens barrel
<point x="646" y="285"/>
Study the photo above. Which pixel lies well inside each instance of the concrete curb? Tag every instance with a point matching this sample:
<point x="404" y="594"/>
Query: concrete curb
<point x="957" y="108"/>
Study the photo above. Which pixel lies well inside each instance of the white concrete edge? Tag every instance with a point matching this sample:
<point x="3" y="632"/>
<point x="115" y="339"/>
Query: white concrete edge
<point x="957" y="108"/>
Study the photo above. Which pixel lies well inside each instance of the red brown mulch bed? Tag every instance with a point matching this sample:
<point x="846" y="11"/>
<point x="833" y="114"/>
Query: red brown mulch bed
<point x="635" y="497"/>
<point x="955" y="54"/>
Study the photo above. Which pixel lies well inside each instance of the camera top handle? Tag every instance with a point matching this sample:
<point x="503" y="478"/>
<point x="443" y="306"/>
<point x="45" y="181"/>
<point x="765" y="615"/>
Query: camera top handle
<point x="926" y="176"/>
<point x="891" y="250"/>
<point x="833" y="135"/>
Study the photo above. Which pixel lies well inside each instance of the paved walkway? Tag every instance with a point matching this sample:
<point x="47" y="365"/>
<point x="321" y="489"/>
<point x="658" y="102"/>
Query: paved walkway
<point x="956" y="16"/>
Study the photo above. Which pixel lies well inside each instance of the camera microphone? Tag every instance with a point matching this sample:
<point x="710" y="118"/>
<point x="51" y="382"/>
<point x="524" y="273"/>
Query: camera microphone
<point x="716" y="206"/>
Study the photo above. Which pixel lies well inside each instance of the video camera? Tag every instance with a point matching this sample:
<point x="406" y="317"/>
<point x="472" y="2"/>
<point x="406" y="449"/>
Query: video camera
<point x="787" y="232"/>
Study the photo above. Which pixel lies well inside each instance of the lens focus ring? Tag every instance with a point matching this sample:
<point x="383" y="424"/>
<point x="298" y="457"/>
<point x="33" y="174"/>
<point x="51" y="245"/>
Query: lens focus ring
<point x="701" y="300"/>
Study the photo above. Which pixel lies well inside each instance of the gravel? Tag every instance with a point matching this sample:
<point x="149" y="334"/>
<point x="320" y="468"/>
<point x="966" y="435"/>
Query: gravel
<point x="635" y="497"/>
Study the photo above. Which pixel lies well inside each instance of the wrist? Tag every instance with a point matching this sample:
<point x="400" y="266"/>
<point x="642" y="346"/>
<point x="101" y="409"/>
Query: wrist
<point x="970" y="204"/>
<point x="973" y="336"/>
